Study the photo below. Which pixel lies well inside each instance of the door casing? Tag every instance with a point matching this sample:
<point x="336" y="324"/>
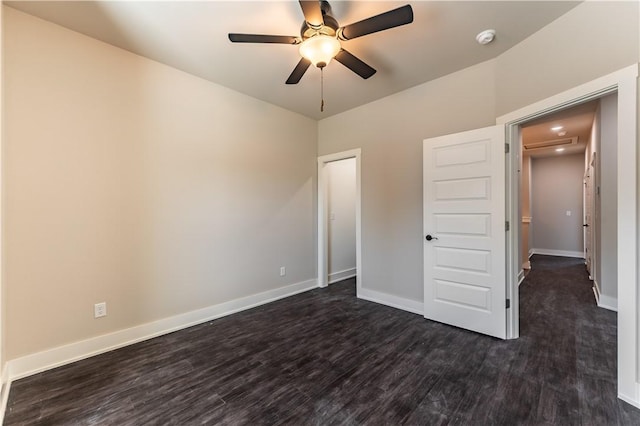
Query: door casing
<point x="624" y="82"/>
<point x="589" y="222"/>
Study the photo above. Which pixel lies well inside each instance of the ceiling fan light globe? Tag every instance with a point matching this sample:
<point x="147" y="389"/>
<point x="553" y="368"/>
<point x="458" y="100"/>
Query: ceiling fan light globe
<point x="320" y="49"/>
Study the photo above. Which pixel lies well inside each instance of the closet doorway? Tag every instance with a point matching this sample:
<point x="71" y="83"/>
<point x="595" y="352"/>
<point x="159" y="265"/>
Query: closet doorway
<point x="339" y="212"/>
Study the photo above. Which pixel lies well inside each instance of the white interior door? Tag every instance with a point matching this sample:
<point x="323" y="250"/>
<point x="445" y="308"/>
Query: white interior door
<point x="464" y="230"/>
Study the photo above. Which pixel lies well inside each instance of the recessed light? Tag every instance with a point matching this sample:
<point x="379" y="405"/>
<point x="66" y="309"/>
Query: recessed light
<point x="556" y="128"/>
<point x="559" y="149"/>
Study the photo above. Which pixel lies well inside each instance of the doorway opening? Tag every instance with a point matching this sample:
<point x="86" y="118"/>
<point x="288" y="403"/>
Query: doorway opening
<point x="339" y="218"/>
<point x="624" y="83"/>
<point x="560" y="201"/>
<point x="341" y="226"/>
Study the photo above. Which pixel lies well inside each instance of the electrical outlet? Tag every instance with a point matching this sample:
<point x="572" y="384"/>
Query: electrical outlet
<point x="100" y="310"/>
<point x="283" y="271"/>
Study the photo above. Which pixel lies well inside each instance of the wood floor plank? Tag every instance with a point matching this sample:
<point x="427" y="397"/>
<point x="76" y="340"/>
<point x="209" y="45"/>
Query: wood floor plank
<point x="325" y="357"/>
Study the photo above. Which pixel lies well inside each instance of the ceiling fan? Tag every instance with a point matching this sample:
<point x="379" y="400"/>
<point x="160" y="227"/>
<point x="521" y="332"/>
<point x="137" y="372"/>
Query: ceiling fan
<point x="321" y="35"/>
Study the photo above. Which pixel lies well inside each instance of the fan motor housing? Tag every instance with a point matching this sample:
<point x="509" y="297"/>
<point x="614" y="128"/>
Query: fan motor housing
<point x="329" y="28"/>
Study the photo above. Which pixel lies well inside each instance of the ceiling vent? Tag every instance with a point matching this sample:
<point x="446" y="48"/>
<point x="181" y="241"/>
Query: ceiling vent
<point x="530" y="146"/>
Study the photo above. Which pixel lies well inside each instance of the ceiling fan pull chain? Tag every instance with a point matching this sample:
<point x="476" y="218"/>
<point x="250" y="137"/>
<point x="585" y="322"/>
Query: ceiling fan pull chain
<point x="322" y="89"/>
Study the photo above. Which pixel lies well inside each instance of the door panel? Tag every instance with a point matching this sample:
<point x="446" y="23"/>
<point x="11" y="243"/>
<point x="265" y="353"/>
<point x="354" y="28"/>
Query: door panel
<point x="463" y="224"/>
<point x="464" y="212"/>
<point x="463" y="295"/>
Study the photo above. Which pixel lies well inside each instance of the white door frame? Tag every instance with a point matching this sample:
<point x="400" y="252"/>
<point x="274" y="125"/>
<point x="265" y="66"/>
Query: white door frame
<point x="323" y="216"/>
<point x="624" y="82"/>
<point x="593" y="224"/>
<point x="4" y="372"/>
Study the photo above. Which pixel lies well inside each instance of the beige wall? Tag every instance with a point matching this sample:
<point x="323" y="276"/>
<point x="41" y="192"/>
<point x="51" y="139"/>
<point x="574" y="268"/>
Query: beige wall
<point x="390" y="132"/>
<point x="130" y="182"/>
<point x="556" y="189"/>
<point x="593" y="39"/>
<point x="525" y="211"/>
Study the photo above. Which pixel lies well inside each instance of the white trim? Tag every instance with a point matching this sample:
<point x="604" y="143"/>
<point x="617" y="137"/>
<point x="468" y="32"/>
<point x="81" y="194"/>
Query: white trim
<point x="530" y="254"/>
<point x="608" y="302"/>
<point x="596" y="289"/>
<point x="625" y="83"/>
<point x="512" y="215"/>
<point x="629" y="400"/>
<point x="5" y="384"/>
<point x="520" y="277"/>
<point x="408" y="305"/>
<point x="627" y="250"/>
<point x="4" y="392"/>
<point x="562" y="253"/>
<point x="52" y="358"/>
<point x="604" y="301"/>
<point x="334" y="277"/>
<point x="323" y="216"/>
<point x="590" y="90"/>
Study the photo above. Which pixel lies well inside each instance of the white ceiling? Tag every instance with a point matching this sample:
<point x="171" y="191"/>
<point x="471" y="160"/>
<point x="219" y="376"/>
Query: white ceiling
<point x="192" y="36"/>
<point x="576" y="122"/>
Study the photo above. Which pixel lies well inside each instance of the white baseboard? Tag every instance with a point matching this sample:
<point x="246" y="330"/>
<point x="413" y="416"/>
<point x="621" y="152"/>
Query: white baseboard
<point x="596" y="291"/>
<point x="562" y="253"/>
<point x="4" y="392"/>
<point x="530" y="253"/>
<point x="52" y="358"/>
<point x="408" y="305"/>
<point x="342" y="275"/>
<point x="602" y="300"/>
<point x="608" y="302"/>
<point x="628" y="400"/>
<point x="520" y="277"/>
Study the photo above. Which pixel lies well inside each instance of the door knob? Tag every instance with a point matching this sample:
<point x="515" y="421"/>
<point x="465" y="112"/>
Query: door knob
<point x="429" y="238"/>
<point x="586" y="224"/>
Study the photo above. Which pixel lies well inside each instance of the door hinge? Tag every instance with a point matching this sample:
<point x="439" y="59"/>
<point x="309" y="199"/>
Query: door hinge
<point x="508" y="303"/>
<point x="506" y="148"/>
<point x="506" y="226"/>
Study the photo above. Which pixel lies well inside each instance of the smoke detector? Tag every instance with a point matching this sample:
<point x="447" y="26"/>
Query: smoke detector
<point x="486" y="36"/>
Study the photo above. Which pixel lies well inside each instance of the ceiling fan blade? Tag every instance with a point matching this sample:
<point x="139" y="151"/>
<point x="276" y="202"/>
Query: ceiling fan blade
<point x="262" y="38"/>
<point x="298" y="71"/>
<point x="312" y="12"/>
<point x="393" y="18"/>
<point x="354" y="64"/>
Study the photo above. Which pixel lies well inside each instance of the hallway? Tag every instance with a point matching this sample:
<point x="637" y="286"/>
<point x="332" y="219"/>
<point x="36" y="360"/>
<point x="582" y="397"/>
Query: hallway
<point x="571" y="343"/>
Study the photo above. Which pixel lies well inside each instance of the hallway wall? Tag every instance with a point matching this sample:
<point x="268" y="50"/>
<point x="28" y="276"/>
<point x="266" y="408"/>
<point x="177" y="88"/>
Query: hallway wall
<point x="556" y="185"/>
<point x="342" y="219"/>
<point x="607" y="200"/>
<point x="525" y="212"/>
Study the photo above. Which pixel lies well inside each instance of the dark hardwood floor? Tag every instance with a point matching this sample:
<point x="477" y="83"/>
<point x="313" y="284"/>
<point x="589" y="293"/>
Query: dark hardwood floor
<point x="325" y="357"/>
